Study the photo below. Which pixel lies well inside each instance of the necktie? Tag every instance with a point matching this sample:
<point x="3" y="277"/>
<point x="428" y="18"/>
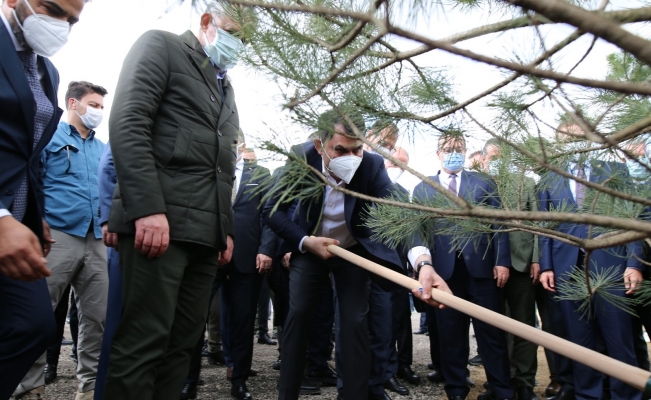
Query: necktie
<point x="579" y="191"/>
<point x="453" y="184"/>
<point x="44" y="112"/>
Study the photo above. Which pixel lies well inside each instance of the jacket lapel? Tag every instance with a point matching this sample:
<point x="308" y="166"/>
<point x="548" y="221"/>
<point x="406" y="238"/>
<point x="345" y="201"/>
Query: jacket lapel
<point x="246" y="172"/>
<point x="13" y="67"/>
<point x="464" y="186"/>
<point x="225" y="111"/>
<point x="202" y="63"/>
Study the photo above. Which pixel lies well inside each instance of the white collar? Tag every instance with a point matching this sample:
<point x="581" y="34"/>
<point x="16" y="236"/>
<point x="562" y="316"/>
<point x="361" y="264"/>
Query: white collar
<point x="446" y="176"/>
<point x="11" y="33"/>
<point x="240" y="164"/>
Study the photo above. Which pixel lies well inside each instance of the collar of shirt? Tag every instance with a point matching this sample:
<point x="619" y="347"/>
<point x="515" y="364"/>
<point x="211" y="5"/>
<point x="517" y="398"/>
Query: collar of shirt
<point x="444" y="179"/>
<point x="11" y="33"/>
<point x="330" y="177"/>
<point x="240" y="164"/>
<point x="70" y="129"/>
<point x="573" y="169"/>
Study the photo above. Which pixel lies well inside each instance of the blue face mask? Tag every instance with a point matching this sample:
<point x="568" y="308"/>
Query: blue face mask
<point x="453" y="161"/>
<point x="637" y="170"/>
<point x="224" y="50"/>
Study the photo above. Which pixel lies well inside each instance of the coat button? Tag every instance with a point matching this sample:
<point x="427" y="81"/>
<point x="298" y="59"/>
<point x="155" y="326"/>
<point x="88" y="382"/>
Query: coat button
<point x="212" y="97"/>
<point x="219" y="169"/>
<point x="219" y="133"/>
<point x="9" y="192"/>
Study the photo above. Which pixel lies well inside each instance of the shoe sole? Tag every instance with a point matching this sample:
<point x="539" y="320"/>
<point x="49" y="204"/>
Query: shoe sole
<point x="310" y="392"/>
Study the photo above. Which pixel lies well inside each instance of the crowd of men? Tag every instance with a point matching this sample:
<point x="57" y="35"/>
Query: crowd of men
<point x="162" y="236"/>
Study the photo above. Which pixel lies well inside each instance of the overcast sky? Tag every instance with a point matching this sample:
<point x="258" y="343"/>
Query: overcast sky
<point x="108" y="28"/>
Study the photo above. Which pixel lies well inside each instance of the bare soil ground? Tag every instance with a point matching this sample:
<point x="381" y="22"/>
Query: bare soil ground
<point x="263" y="386"/>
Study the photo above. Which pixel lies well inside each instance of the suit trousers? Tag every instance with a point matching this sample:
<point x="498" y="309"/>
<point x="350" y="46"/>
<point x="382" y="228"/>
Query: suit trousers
<point x="26" y="329"/>
<point x="434" y="341"/>
<point x="113" y="316"/>
<point x="240" y="292"/>
<point x="214" y="321"/>
<point x="402" y="344"/>
<point x="319" y="349"/>
<point x="165" y="307"/>
<point x="60" y="314"/>
<point x="380" y="329"/>
<point x="453" y="333"/>
<point x="80" y="262"/>
<point x="264" y="310"/>
<point x="520" y="296"/>
<point x="307" y="276"/>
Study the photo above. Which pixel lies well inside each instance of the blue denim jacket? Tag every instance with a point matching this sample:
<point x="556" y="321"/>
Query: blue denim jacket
<point x="70" y="166"/>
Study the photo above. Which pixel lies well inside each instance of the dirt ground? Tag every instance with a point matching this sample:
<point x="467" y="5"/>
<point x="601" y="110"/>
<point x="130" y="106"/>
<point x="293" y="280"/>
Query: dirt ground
<point x="263" y="387"/>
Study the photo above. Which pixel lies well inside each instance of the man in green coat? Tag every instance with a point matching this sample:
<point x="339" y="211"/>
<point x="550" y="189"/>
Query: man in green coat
<point x="173" y="131"/>
<point x="518" y="192"/>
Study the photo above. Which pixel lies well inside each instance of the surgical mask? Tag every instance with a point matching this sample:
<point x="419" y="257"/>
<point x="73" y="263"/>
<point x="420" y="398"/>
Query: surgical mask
<point x="343" y="167"/>
<point x="92" y="118"/>
<point x="637" y="170"/>
<point x="44" y="34"/>
<point x="453" y="161"/>
<point x="394" y="174"/>
<point x="224" y="50"/>
<point x="493" y="167"/>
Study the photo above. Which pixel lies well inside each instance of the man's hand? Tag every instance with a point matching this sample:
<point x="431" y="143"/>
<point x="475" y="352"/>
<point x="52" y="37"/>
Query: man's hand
<point x="152" y="235"/>
<point x="21" y="256"/>
<point x="429" y="279"/>
<point x="226" y="255"/>
<point x="110" y="239"/>
<point x="286" y="258"/>
<point x="47" y="246"/>
<point x="501" y="274"/>
<point x="318" y="246"/>
<point x="534" y="273"/>
<point x="262" y="263"/>
<point x="547" y="280"/>
<point x="632" y="278"/>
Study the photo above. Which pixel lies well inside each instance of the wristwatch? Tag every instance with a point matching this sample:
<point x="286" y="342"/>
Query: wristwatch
<point x="420" y="265"/>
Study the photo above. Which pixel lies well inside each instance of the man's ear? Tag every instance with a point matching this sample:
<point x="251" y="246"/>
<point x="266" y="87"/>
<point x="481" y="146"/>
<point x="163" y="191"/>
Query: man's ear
<point x="71" y="104"/>
<point x="318" y="145"/>
<point x="206" y="19"/>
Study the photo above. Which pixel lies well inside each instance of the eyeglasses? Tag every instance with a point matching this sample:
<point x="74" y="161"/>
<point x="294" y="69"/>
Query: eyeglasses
<point x="387" y="146"/>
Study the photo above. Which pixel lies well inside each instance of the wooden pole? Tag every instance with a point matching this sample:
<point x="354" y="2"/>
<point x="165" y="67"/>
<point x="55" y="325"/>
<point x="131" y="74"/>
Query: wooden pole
<point x="633" y="376"/>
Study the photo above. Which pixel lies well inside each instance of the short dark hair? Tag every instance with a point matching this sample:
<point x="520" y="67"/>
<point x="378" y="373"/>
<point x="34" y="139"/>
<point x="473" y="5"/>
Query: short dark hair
<point x="78" y="89"/>
<point x="329" y="119"/>
<point x="381" y="124"/>
<point x="449" y="136"/>
<point x="493" y="142"/>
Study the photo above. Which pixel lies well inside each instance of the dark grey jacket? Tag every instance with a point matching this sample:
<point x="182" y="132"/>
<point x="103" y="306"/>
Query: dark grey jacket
<point x="173" y="140"/>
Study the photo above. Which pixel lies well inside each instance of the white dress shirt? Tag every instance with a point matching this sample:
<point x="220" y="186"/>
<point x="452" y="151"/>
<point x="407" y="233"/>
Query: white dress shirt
<point x="572" y="169"/>
<point x="239" y="168"/>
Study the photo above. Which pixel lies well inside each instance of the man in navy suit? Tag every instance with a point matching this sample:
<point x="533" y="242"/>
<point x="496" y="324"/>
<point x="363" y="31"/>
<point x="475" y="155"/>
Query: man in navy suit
<point x="30" y="113"/>
<point x="335" y="219"/>
<point x="557" y="259"/>
<point x="475" y="271"/>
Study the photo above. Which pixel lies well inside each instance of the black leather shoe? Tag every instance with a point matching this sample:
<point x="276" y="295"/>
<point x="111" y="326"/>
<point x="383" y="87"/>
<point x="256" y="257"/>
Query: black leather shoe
<point x="420" y="332"/>
<point x="487" y="395"/>
<point x="240" y="392"/>
<point x="189" y="391"/>
<point x="435" y="376"/>
<point x="308" y="388"/>
<point x="431" y="366"/>
<point x="395" y="386"/>
<point x="552" y="389"/>
<point x="456" y="398"/>
<point x="470" y="382"/>
<point x="276" y="365"/>
<point x="216" y="358"/>
<point x="526" y="393"/>
<point x="566" y="393"/>
<point x="201" y="382"/>
<point x="265" y="339"/>
<point x="326" y="377"/>
<point x="383" y="396"/>
<point x="408" y="374"/>
<point x="50" y="373"/>
<point x="66" y="342"/>
<point x="476" y="361"/>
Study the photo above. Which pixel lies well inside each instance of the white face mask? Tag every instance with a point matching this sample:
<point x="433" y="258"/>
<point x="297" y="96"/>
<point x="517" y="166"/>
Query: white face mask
<point x="44" y="34"/>
<point x="343" y="167"/>
<point x="394" y="174"/>
<point x="224" y="50"/>
<point x="93" y="116"/>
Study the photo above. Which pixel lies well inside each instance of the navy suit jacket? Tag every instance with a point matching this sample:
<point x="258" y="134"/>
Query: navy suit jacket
<point x="18" y="156"/>
<point x="370" y="179"/>
<point x="251" y="236"/>
<point x="483" y="253"/>
<point x="106" y="180"/>
<point x="554" y="192"/>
